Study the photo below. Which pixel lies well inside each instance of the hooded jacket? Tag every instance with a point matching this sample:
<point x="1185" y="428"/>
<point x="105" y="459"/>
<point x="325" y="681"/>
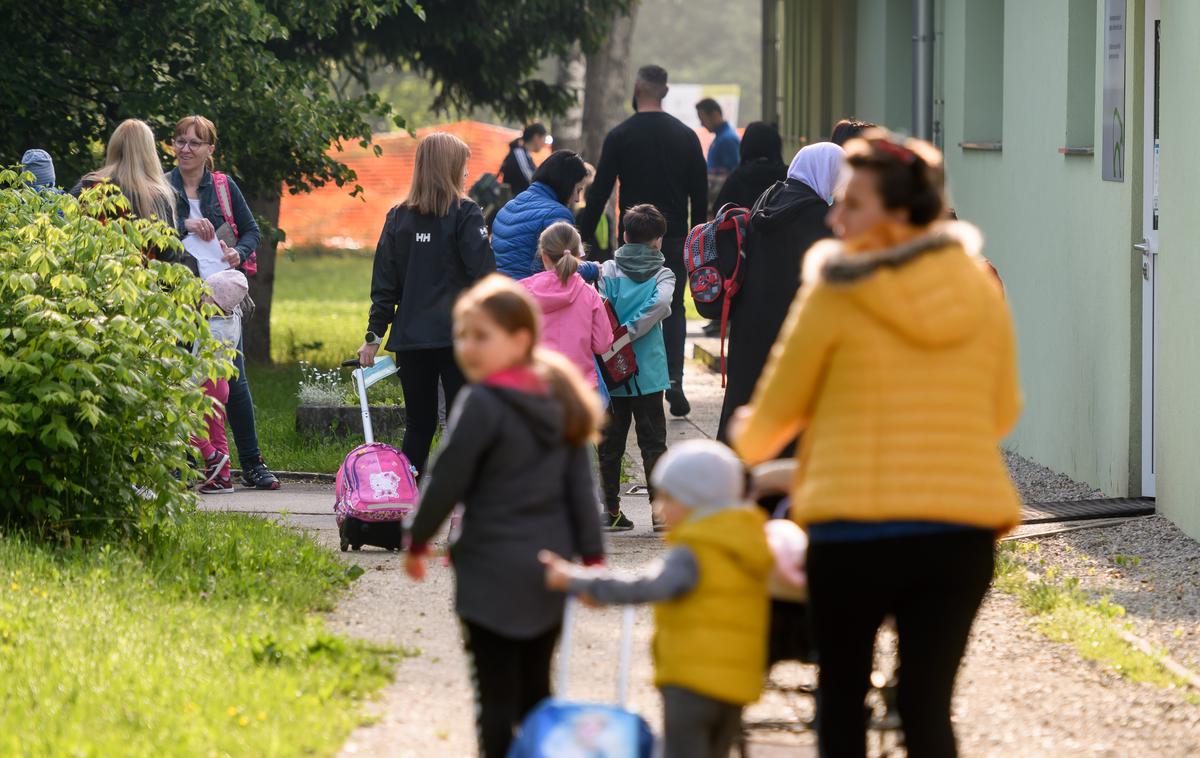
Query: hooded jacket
<point x="523" y="490"/>
<point x="640" y="289"/>
<point x="784" y="223"/>
<point x="574" y="320"/>
<point x="518" y="225"/>
<point x="760" y="166"/>
<point x="898" y="363"/>
<point x="422" y="264"/>
<point x="713" y="639"/>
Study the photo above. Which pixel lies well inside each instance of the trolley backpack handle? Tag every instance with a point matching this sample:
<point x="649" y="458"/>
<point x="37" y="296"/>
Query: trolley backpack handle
<point x="361" y="382"/>
<point x="563" y="675"/>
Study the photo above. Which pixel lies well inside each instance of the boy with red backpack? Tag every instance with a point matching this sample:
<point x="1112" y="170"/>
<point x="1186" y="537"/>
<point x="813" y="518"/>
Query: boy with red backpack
<point x="639" y="288"/>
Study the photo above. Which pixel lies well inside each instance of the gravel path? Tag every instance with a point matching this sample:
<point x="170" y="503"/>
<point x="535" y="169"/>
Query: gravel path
<point x="1018" y="693"/>
<point x="1147" y="566"/>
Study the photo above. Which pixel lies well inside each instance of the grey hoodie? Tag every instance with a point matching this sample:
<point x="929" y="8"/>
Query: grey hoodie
<point x="524" y="490"/>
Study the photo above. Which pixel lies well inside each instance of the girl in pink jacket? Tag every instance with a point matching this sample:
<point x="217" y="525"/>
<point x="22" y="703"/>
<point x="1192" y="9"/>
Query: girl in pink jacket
<point x="574" y="321"/>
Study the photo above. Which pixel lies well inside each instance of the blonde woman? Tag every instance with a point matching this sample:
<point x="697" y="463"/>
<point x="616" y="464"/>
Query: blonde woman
<point x="132" y="164"/>
<point x="434" y="245"/>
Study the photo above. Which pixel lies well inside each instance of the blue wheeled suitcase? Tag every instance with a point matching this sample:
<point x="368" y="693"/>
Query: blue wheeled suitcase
<point x="559" y="728"/>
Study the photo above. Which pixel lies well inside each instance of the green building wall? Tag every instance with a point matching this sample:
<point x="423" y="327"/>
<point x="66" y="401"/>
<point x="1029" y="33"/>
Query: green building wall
<point x="1061" y="239"/>
<point x="1178" y="481"/>
<point x="1011" y="80"/>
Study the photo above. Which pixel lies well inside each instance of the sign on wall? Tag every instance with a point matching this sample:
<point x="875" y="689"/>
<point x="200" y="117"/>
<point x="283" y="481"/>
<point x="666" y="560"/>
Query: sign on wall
<point x="1113" y="113"/>
<point x="682" y="98"/>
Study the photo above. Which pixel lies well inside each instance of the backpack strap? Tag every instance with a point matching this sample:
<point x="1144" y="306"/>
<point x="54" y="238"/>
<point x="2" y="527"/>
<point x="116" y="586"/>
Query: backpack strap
<point x="221" y="184"/>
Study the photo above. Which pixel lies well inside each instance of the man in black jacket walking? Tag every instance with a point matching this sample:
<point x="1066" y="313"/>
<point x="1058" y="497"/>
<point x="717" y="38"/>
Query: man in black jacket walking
<point x="659" y="161"/>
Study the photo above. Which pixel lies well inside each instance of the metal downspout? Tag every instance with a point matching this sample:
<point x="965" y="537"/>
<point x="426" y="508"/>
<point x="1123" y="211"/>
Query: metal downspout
<point x="922" y="86"/>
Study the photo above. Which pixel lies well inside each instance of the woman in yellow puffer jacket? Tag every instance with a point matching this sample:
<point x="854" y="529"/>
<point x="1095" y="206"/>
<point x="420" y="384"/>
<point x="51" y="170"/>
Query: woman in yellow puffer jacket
<point x="897" y="365"/>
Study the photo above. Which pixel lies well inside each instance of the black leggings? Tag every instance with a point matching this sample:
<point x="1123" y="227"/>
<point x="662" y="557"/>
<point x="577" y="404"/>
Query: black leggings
<point x="675" y="325"/>
<point x="420" y="371"/>
<point x="932" y="585"/>
<point x="510" y="677"/>
<point x="650" y="423"/>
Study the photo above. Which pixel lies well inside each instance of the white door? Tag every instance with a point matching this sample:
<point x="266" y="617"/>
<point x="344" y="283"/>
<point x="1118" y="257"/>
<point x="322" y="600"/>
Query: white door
<point x="1149" y="246"/>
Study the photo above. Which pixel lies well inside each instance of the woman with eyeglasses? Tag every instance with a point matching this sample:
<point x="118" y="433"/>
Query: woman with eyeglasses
<point x="206" y="233"/>
<point x="217" y="245"/>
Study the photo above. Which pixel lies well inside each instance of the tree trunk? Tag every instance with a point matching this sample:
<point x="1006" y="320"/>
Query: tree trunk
<point x="608" y="88"/>
<point x="568" y="128"/>
<point x="257" y="330"/>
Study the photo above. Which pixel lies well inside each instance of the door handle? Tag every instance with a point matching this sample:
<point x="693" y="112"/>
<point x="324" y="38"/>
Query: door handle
<point x="1143" y="247"/>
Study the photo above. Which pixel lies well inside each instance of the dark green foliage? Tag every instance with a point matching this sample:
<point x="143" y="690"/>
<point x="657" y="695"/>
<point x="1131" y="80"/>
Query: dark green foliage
<point x="97" y="398"/>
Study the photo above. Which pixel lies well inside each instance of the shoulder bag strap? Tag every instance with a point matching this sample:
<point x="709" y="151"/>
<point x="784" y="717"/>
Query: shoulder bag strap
<point x="221" y="184"/>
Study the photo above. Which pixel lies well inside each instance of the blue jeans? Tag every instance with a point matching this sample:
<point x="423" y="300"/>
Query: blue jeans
<point x="240" y="413"/>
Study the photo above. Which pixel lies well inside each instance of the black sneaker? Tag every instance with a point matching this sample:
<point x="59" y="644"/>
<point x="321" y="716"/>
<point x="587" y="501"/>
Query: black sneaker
<point x="259" y="476"/>
<point x="677" y="401"/>
<point x="616" y="522"/>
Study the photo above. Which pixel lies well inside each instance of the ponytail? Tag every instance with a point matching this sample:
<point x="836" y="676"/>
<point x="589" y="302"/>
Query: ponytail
<point x="513" y="309"/>
<point x="566" y="266"/>
<point x="580" y="403"/>
<point x="561" y="244"/>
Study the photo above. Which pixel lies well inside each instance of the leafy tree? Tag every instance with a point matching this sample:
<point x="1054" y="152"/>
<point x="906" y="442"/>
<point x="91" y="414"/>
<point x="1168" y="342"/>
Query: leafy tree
<point x="264" y="71"/>
<point x="97" y="396"/>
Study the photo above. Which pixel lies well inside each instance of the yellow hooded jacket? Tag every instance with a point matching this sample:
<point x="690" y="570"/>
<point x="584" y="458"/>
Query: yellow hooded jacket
<point x="898" y="364"/>
<point x="713" y="639"/>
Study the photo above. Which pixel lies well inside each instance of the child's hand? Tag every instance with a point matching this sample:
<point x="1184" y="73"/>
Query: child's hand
<point x="558" y="570"/>
<point x="414" y="566"/>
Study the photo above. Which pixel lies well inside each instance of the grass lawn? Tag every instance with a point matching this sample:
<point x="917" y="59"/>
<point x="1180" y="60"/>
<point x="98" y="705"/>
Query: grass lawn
<point x="202" y="645"/>
<point x="320" y="306"/>
<point x="274" y="391"/>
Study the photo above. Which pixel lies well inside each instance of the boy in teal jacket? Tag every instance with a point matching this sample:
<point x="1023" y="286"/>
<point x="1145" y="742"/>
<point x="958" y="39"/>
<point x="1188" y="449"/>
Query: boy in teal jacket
<point x="640" y="289"/>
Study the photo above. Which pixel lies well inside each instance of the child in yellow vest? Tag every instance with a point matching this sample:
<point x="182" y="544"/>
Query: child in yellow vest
<point x="710" y="596"/>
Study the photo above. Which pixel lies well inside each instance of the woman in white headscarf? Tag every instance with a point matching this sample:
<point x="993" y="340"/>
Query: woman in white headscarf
<point x="787" y="219"/>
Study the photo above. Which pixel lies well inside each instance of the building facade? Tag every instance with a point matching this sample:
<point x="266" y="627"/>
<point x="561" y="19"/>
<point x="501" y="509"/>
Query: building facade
<point x="1066" y="131"/>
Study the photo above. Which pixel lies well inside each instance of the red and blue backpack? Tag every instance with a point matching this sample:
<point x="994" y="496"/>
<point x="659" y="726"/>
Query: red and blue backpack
<point x="714" y="254"/>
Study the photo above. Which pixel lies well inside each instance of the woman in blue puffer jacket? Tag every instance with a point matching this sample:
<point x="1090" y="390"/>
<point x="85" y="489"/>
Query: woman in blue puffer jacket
<point x="521" y="221"/>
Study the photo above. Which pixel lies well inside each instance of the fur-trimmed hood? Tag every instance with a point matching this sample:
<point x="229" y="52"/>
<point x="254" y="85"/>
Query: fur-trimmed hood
<point x="931" y="288"/>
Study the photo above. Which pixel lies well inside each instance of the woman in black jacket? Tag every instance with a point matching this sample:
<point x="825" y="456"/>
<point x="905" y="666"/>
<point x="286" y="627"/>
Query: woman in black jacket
<point x="517" y="169"/>
<point x="434" y="245"/>
<point x="761" y="166"/>
<point x="784" y="223"/>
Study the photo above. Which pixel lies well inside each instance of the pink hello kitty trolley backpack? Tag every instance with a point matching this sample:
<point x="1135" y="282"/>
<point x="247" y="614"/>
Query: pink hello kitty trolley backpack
<point x="376" y="487"/>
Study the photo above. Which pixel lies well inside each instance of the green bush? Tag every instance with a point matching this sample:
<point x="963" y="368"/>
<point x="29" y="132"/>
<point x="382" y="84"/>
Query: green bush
<point x="97" y="397"/>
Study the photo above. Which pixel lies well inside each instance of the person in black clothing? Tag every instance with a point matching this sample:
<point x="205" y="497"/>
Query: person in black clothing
<point x="761" y="166"/>
<point x="659" y="161"/>
<point x="515" y="456"/>
<point x="434" y="245"/>
<point x="785" y="221"/>
<point x="517" y="169"/>
<point x="847" y="129"/>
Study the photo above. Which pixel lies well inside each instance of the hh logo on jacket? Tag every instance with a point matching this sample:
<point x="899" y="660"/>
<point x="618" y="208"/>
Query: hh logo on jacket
<point x="424" y="236"/>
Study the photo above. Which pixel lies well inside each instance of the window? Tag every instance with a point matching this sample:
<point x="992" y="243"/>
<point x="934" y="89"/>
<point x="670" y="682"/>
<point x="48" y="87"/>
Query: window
<point x="983" y="101"/>
<point x="1082" y="42"/>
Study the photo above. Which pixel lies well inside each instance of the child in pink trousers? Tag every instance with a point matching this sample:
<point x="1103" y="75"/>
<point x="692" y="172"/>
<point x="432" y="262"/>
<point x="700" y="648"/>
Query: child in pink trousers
<point x="227" y="290"/>
<point x="574" y="321"/>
